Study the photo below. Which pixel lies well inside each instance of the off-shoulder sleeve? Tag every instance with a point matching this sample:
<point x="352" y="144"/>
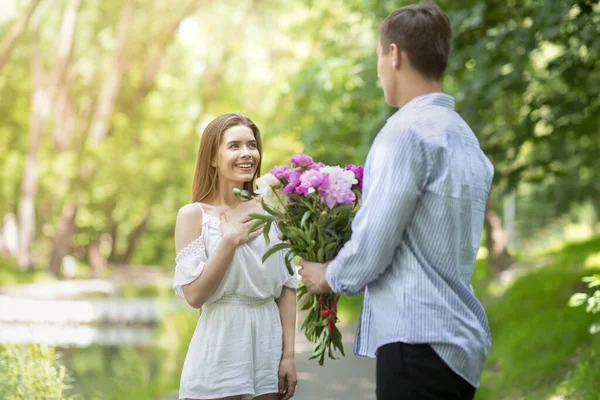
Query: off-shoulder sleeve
<point x="189" y="264"/>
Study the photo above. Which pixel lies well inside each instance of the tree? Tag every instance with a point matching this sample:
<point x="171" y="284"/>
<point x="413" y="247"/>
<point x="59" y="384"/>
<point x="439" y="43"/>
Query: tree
<point x="43" y="96"/>
<point x="9" y="42"/>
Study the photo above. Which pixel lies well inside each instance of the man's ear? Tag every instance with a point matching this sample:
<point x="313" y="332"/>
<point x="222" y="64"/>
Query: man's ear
<point x="396" y="56"/>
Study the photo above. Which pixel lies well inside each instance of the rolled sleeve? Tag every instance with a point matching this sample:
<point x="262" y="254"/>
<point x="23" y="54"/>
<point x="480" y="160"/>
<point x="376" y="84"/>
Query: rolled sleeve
<point x="393" y="184"/>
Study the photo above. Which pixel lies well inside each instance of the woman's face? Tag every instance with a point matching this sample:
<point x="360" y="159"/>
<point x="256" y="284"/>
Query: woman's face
<point x="238" y="155"/>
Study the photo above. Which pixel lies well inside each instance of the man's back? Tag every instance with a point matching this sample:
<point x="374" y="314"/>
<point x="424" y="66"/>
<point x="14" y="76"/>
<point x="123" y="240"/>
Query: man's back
<point x="425" y="295"/>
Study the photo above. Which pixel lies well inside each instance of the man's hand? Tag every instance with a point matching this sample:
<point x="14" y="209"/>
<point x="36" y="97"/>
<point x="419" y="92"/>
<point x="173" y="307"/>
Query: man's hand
<point x="313" y="277"/>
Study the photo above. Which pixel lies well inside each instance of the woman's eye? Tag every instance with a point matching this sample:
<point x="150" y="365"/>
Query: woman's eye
<point x="233" y="146"/>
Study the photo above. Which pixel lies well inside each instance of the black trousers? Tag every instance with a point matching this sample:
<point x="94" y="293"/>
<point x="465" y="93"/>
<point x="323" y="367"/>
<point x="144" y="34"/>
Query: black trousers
<point x="415" y="372"/>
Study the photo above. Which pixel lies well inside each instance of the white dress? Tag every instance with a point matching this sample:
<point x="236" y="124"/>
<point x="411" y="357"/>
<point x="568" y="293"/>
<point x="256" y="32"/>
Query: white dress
<point x="237" y="345"/>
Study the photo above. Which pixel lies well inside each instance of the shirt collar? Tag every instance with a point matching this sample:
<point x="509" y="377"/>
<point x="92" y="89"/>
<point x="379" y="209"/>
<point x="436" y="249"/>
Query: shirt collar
<point x="428" y="99"/>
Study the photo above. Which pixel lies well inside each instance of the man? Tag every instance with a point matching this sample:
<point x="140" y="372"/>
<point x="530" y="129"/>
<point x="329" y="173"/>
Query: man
<point x="415" y="238"/>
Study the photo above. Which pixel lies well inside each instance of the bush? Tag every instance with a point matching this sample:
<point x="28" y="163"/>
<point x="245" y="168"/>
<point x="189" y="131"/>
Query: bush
<point x="31" y="372"/>
<point x="592" y="300"/>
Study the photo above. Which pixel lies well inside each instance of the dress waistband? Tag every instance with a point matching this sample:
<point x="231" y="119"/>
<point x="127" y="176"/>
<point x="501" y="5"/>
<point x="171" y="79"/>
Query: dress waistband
<point x="242" y="301"/>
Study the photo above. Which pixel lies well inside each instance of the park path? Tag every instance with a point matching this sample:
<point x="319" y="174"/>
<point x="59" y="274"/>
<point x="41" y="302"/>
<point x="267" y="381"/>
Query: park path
<point x="348" y="378"/>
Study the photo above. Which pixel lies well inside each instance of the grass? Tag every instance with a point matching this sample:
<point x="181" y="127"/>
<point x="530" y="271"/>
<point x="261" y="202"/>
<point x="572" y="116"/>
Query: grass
<point x="541" y="348"/>
<point x="11" y="274"/>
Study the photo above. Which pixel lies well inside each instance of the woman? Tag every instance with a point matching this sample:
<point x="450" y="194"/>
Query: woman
<point x="243" y="345"/>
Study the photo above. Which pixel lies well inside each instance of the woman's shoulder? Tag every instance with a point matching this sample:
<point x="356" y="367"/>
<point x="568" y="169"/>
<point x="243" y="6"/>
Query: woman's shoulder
<point x="188" y="226"/>
<point x="191" y="211"/>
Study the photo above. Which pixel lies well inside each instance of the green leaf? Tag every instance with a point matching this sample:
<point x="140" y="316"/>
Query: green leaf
<point x="262" y="217"/>
<point x="266" y="232"/>
<point x="305" y="217"/>
<point x="337" y="340"/>
<point x="270" y="210"/>
<point x="320" y="255"/>
<point x="320" y="349"/>
<point x="274" y="249"/>
<point x="309" y="304"/>
<point x="255" y="225"/>
<point x="577" y="299"/>
<point x="592" y="281"/>
<point x="288" y="264"/>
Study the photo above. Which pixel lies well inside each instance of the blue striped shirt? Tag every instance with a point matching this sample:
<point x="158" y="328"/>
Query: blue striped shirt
<point x="416" y="236"/>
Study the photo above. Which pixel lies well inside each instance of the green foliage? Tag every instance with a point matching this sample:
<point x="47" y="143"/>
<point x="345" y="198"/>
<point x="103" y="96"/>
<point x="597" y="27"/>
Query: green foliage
<point x="31" y="372"/>
<point x="537" y="341"/>
<point x="523" y="75"/>
<point x="592" y="301"/>
<point x="581" y="383"/>
<point x="10" y="274"/>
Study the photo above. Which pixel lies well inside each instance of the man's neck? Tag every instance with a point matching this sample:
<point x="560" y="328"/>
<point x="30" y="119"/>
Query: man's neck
<point x="415" y="86"/>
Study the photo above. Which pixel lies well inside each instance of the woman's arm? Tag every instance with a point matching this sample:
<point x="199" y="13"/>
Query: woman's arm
<point x="189" y="227"/>
<point x="287" y="369"/>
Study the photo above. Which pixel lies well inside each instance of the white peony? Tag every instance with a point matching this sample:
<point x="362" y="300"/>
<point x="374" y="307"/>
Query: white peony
<point x="338" y="174"/>
<point x="269" y="188"/>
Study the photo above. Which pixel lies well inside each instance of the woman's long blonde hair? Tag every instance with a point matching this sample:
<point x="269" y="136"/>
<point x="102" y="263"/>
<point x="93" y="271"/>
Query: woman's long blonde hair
<point x="205" y="180"/>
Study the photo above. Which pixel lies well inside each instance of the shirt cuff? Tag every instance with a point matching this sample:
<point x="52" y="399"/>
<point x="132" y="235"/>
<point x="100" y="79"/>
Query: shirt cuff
<point x="335" y="286"/>
<point x="332" y="281"/>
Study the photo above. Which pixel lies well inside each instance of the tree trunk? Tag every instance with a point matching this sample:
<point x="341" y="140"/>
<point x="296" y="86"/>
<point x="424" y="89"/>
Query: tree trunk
<point x="10" y="233"/>
<point x="62" y="239"/>
<point x="153" y="67"/>
<point x="65" y="48"/>
<point x="64" y="119"/>
<point x="99" y="125"/>
<point x="98" y="129"/>
<point x="135" y="237"/>
<point x="42" y="99"/>
<point x="110" y="89"/>
<point x="29" y="183"/>
<point x="498" y="257"/>
<point x="95" y="259"/>
<point x="112" y="228"/>
<point x="8" y="44"/>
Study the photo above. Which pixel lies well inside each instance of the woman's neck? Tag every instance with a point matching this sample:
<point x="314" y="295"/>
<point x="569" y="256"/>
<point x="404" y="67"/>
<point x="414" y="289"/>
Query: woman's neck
<point x="223" y="197"/>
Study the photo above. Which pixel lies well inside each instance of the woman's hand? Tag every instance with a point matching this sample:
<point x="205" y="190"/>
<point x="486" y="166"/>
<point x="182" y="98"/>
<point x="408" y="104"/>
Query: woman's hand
<point x="236" y="231"/>
<point x="287" y="377"/>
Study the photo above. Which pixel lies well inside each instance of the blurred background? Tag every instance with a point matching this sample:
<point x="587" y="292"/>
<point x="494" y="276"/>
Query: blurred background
<point x="102" y="104"/>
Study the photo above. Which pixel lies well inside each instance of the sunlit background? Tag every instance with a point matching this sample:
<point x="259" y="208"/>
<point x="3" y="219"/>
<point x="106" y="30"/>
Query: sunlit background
<point x="102" y="106"/>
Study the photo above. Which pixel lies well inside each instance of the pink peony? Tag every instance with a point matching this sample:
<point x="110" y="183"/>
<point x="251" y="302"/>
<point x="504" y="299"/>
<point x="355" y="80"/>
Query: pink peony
<point x="310" y="180"/>
<point x="301" y="160"/>
<point x="339" y="190"/>
<point x="293" y="178"/>
<point x="280" y="172"/>
<point x="318" y="165"/>
<point x="358" y="173"/>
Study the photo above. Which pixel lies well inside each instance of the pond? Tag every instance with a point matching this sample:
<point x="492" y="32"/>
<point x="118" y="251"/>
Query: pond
<point x="114" y="348"/>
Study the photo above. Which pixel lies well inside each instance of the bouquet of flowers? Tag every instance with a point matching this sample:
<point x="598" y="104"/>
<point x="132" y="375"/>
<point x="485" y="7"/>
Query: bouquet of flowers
<point x="312" y="205"/>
